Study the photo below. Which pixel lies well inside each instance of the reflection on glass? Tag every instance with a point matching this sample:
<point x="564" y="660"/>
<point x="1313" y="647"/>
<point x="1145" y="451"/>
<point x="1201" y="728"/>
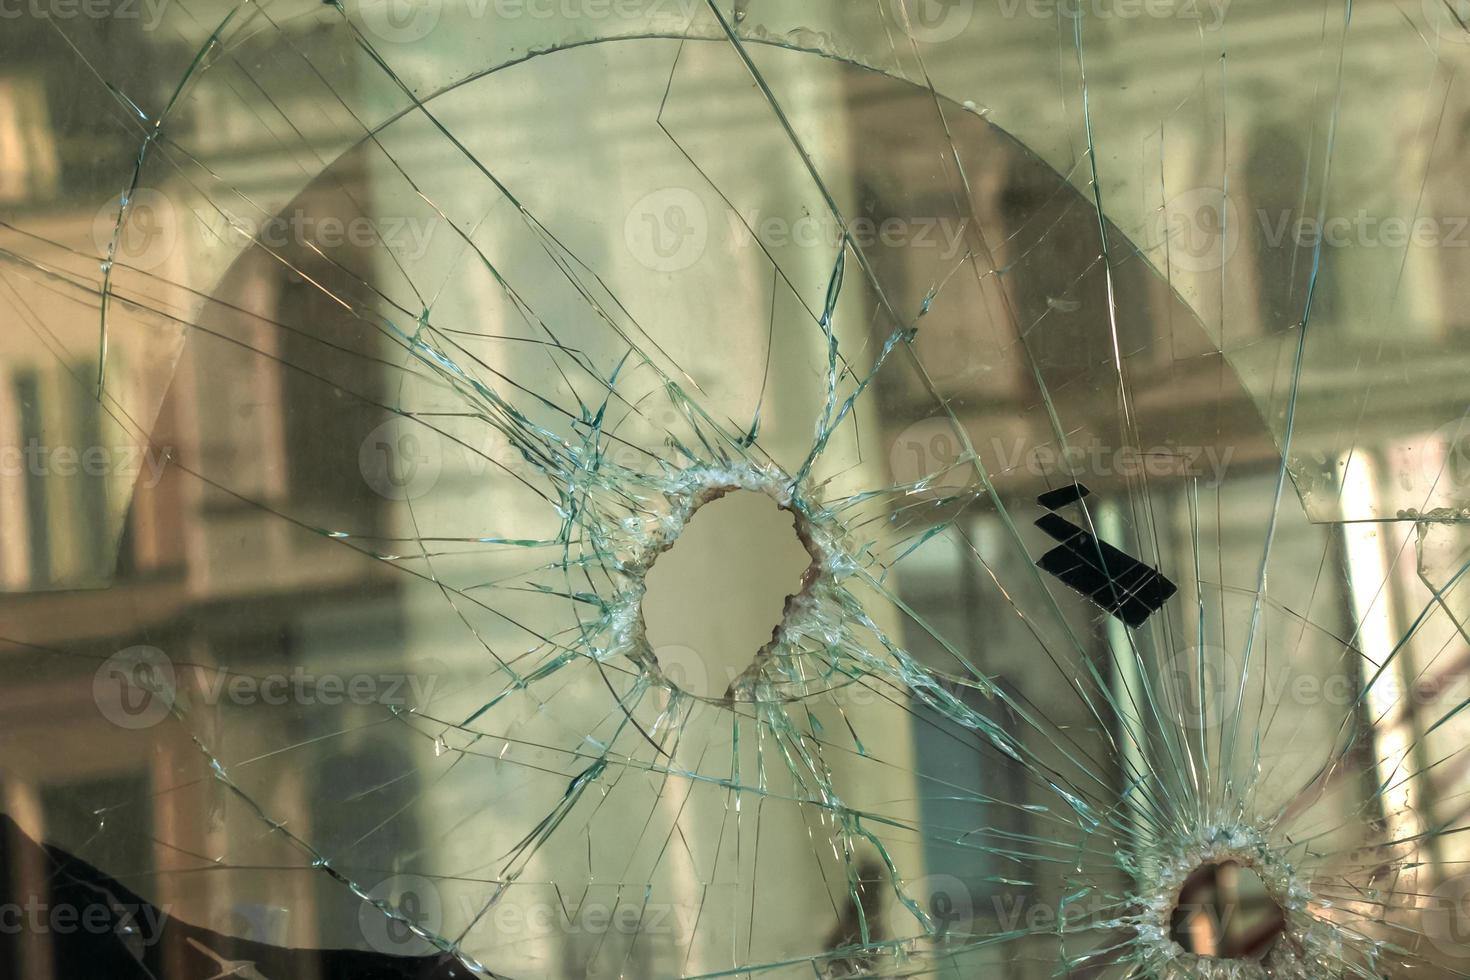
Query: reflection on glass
<point x="367" y="368"/>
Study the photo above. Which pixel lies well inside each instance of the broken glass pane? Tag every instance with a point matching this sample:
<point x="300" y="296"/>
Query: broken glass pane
<point x="1089" y="373"/>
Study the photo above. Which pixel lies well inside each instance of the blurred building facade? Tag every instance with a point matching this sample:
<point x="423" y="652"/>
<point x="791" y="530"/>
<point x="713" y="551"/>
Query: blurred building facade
<point x="212" y="572"/>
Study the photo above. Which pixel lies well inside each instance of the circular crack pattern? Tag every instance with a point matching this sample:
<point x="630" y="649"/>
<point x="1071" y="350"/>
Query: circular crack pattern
<point x="1288" y="956"/>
